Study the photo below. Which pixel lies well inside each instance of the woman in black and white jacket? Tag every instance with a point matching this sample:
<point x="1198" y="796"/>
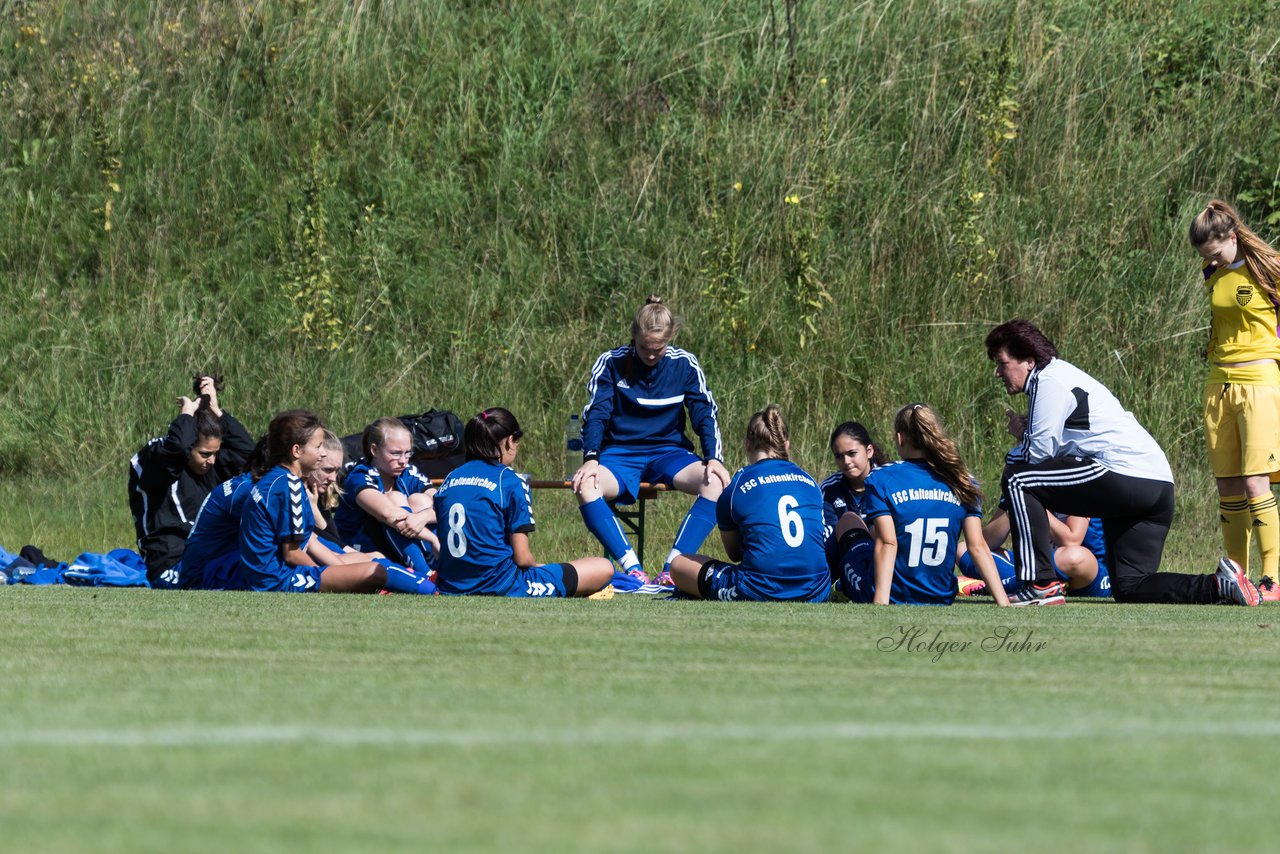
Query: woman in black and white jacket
<point x="1080" y="452"/>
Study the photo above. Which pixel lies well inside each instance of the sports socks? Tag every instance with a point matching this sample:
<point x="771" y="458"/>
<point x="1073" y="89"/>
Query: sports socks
<point x="1265" y="525"/>
<point x="401" y="580"/>
<point x="1233" y="513"/>
<point x="694" y="529"/>
<point x="604" y="526"/>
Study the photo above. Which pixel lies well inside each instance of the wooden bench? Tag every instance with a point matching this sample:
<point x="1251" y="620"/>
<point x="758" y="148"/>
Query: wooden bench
<point x="631" y="516"/>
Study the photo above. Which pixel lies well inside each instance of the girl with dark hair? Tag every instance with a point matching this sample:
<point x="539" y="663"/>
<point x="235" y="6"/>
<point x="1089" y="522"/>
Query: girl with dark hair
<point x="856" y="455"/>
<point x="770" y="520"/>
<point x="633" y="431"/>
<point x="918" y="508"/>
<point x="1080" y="452"/>
<point x="277" y="547"/>
<point x="486" y="516"/>
<point x="1242" y="390"/>
<point x="170" y="476"/>
<point x="386" y="502"/>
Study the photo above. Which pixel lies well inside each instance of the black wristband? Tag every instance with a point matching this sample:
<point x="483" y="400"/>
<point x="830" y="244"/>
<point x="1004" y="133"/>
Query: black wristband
<point x="588" y="456"/>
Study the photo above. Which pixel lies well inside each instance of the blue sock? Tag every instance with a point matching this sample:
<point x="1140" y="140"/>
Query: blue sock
<point x="412" y="551"/>
<point x="693" y="530"/>
<point x="605" y="527"/>
<point x="401" y="580"/>
<point x="1004" y="567"/>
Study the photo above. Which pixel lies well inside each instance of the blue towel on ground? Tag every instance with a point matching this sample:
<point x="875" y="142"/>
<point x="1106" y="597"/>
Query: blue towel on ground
<point x="95" y="570"/>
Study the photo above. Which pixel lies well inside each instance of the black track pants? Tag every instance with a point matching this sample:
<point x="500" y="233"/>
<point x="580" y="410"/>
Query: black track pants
<point x="1136" y="514"/>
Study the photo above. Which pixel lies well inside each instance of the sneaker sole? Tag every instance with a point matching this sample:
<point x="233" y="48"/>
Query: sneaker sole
<point x="1046" y="602"/>
<point x="1248" y="591"/>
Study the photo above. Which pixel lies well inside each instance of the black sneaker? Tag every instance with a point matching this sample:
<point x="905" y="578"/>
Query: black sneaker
<point x="1031" y="594"/>
<point x="1234" y="587"/>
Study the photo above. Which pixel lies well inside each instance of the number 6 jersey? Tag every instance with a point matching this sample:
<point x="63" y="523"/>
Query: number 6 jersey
<point x="927" y="518"/>
<point x="777" y="509"/>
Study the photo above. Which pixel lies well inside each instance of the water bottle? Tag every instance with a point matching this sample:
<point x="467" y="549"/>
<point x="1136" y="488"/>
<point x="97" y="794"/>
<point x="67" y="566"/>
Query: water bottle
<point x="572" y="446"/>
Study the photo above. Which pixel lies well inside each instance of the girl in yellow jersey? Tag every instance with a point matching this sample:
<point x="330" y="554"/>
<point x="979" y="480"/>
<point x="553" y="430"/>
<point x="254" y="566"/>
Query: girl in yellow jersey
<point x="1242" y="391"/>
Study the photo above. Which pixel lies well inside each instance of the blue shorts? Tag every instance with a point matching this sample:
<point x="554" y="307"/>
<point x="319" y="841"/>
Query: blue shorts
<point x="1099" y="588"/>
<point x="537" y="582"/>
<point x="633" y="466"/>
<point x="729" y="582"/>
<point x="302" y="579"/>
<point x="223" y="573"/>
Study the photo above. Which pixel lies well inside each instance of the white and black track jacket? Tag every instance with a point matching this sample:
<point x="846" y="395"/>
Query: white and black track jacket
<point x="1073" y="415"/>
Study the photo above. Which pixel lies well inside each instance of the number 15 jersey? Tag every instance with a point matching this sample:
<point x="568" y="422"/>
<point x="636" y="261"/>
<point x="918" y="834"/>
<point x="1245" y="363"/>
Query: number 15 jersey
<point x="927" y="518"/>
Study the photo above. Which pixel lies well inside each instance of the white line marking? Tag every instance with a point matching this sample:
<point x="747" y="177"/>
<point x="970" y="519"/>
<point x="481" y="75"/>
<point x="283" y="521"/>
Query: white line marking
<point x="221" y="736"/>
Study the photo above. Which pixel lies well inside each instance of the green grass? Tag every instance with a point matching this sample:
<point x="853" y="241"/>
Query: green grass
<point x="373" y="208"/>
<point x="262" y="722"/>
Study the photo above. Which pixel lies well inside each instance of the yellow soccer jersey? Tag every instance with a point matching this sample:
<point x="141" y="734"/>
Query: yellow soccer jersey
<point x="1243" y="317"/>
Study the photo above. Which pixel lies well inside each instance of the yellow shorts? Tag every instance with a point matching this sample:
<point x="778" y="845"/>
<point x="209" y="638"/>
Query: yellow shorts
<point x="1242" y="424"/>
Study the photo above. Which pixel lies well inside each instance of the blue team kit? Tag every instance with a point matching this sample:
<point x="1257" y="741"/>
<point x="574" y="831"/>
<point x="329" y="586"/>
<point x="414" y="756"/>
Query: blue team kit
<point x="928" y="519"/>
<point x="478" y="507"/>
<point x="776" y="509"/>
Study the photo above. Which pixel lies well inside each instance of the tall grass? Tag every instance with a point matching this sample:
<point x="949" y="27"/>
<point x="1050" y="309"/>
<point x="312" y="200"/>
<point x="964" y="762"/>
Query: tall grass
<point x="376" y="207"/>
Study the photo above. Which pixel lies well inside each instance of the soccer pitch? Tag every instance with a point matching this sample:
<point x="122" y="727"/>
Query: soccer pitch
<point x="138" y="721"/>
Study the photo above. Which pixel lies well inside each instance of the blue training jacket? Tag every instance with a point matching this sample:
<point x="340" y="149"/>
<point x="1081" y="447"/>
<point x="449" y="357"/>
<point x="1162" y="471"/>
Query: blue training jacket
<point x="633" y="405"/>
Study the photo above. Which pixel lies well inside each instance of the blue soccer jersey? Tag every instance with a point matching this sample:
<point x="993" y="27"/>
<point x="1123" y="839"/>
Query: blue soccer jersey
<point x="479" y="506"/>
<point x="927" y="519"/>
<point x="277" y="512"/>
<point x="350" y="516"/>
<point x="838" y="498"/>
<point x="776" y="508"/>
<point x="216" y="531"/>
<point x="634" y="405"/>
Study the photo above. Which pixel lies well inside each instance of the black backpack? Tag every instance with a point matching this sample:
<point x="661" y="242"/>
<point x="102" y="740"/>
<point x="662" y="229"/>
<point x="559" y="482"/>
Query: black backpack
<point x="437" y="442"/>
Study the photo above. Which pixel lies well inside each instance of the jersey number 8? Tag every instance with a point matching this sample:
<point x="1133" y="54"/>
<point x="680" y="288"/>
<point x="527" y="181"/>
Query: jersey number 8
<point x="456" y="540"/>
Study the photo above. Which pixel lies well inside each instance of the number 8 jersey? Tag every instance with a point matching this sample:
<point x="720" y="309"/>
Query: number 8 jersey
<point x="777" y="508"/>
<point x="479" y="505"/>
<point x="927" y="518"/>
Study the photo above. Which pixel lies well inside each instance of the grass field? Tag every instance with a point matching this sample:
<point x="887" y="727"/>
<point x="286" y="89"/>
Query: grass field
<point x="138" y="721"/>
<point x="374" y="208"/>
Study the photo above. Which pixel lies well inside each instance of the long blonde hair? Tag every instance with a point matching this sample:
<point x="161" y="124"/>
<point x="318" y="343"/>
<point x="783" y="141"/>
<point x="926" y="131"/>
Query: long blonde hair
<point x="919" y="425"/>
<point x="332" y="495"/>
<point x="767" y="431"/>
<point x="1216" y="222"/>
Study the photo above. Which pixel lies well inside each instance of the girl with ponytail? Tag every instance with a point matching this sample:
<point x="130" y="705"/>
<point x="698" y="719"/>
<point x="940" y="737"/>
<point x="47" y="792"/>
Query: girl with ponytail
<point x="770" y="520"/>
<point x="278" y="549"/>
<point x="1242" y="390"/>
<point x="385" y="502"/>
<point x="633" y="432"/>
<point x="486" y="520"/>
<point x="918" y="509"/>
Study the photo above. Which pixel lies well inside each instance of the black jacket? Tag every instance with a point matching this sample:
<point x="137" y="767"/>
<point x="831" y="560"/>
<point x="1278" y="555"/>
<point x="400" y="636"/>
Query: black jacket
<point x="164" y="495"/>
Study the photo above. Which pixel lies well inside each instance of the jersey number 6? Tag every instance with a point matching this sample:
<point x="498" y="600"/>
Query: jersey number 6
<point x="789" y="521"/>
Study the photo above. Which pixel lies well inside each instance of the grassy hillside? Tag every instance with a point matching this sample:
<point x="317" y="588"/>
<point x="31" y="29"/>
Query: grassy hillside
<point x="374" y="207"/>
